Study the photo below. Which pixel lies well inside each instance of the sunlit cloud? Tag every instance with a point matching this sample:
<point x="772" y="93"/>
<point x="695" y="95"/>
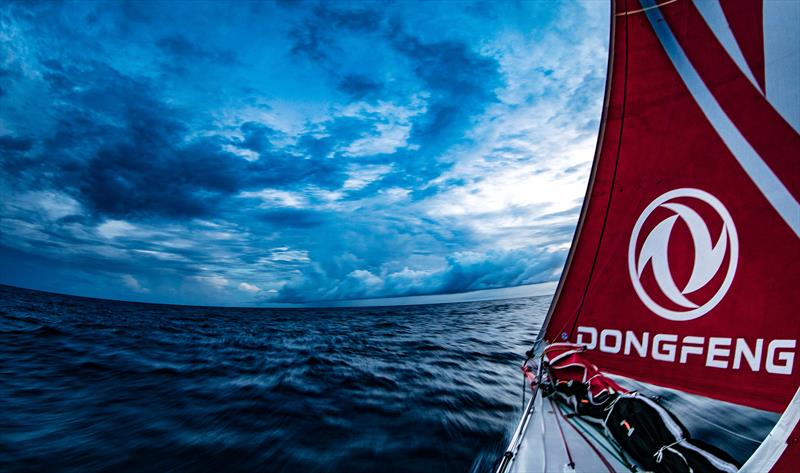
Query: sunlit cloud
<point x="247" y="287"/>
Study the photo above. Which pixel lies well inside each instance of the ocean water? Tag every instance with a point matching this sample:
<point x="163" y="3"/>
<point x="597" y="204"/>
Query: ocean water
<point x="91" y="385"/>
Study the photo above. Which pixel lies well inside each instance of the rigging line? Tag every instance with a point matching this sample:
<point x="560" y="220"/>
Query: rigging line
<point x="613" y="176"/>
<point x="642" y="10"/>
<point x="595" y="435"/>
<point x="561" y="431"/>
<point x="589" y="443"/>
<point x="522" y="428"/>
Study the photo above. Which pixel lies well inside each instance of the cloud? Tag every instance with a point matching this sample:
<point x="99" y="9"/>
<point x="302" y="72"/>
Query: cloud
<point x="293" y="218"/>
<point x="183" y="49"/>
<point x="277" y="198"/>
<point x="14" y="144"/>
<point x="48" y="205"/>
<point x="457" y="81"/>
<point x="216" y="282"/>
<point x="145" y="162"/>
<point x="312" y="151"/>
<point x="131" y="283"/>
<point x="359" y="86"/>
<point x="462" y="272"/>
<point x="284" y="254"/>
<point x="361" y="176"/>
<point x="115" y="228"/>
<point x="246" y="287"/>
<point x="461" y="82"/>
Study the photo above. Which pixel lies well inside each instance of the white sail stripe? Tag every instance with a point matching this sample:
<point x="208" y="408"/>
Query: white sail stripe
<point x="712" y="13"/>
<point x="767" y="182"/>
<point x="782" y="59"/>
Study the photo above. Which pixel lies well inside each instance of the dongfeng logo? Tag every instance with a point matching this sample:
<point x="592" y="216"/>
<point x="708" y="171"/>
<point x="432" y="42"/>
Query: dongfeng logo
<point x="708" y="256"/>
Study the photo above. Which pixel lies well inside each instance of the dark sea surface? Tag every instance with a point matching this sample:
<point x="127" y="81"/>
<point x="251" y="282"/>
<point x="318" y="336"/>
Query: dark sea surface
<point x="92" y="385"/>
<point x="89" y="385"/>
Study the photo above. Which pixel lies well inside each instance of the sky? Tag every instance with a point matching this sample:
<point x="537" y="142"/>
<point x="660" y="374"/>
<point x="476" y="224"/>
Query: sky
<point x="269" y="153"/>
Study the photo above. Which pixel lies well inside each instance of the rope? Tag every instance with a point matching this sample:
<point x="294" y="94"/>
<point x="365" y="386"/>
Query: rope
<point x="660" y="453"/>
<point x="563" y="437"/>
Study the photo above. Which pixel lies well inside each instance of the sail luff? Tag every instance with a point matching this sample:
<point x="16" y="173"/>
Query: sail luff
<point x="673" y="140"/>
<point x="587" y="230"/>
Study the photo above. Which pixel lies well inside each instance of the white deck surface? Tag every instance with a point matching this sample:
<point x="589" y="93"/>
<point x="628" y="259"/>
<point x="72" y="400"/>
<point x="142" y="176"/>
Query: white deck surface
<point x="544" y="449"/>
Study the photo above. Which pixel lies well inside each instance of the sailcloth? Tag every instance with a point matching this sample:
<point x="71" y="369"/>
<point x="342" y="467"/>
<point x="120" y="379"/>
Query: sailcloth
<point x="685" y="268"/>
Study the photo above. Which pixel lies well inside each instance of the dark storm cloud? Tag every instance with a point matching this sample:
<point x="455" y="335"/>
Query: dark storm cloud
<point x="463" y="272"/>
<point x="458" y="84"/>
<point x="14" y="144"/>
<point x="143" y="179"/>
<point x="461" y="82"/>
<point x="200" y="152"/>
<point x="359" y="86"/>
<point x="124" y="153"/>
<point x="293" y="218"/>
<point x="257" y="137"/>
<point x="121" y="150"/>
<point x="316" y="36"/>
<point x="183" y="49"/>
<point x="7" y="76"/>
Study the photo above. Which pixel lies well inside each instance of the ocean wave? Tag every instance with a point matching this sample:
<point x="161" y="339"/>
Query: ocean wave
<point x="112" y="386"/>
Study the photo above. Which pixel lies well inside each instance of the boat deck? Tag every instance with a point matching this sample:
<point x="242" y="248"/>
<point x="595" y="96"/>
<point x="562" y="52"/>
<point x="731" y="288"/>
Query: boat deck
<point x="554" y="441"/>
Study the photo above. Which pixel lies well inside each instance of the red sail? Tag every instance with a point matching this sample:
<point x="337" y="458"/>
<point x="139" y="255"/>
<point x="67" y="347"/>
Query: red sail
<point x="685" y="267"/>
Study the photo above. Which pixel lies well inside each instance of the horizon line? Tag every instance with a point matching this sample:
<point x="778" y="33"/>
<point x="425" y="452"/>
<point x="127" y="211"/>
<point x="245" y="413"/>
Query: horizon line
<point x="492" y="294"/>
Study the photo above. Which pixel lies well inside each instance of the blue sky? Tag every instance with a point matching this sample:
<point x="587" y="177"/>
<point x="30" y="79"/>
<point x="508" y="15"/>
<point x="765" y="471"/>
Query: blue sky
<point x="289" y="152"/>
